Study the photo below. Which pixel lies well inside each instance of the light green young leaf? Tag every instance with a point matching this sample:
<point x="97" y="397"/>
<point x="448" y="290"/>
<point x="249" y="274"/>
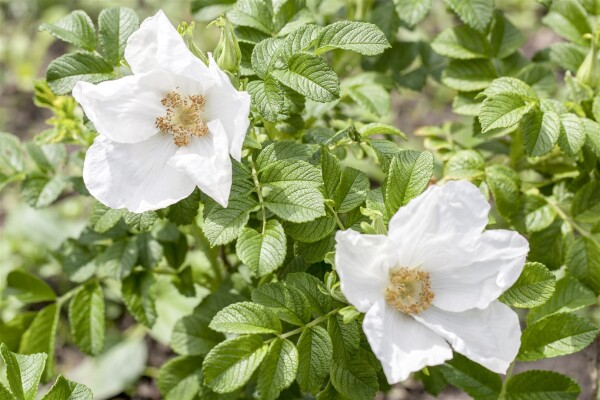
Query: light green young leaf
<point x="230" y="364"/>
<point x="268" y="98"/>
<point x="224" y="225"/>
<point x="11" y="154"/>
<point x="64" y="389"/>
<point x="583" y="261"/>
<point x="536" y="214"/>
<point x="409" y="174"/>
<point x="354" y="378"/>
<point x="278" y="369"/>
<point x="288" y="303"/>
<point x="568" y="18"/>
<point x="64" y="72"/>
<point x="246" y="318"/>
<point x="42" y="191"/>
<point x="255" y="14"/>
<point x="465" y="164"/>
<point x="300" y="40"/>
<point x="586" y="203"/>
<point x="265" y="251"/>
<point x="509" y="85"/>
<point x="285" y="172"/>
<point x="370" y="96"/>
<point x="296" y="203"/>
<point x="115" y="25"/>
<point x="28" y="288"/>
<point x="310" y="76"/>
<point x="504" y="185"/>
<point x="283" y="150"/>
<point x="315" y="352"/>
<point x="76" y="28"/>
<point x="475" y="380"/>
<point x="542" y="385"/>
<point x="139" y="295"/>
<point x="503" y="110"/>
<point x="265" y="56"/>
<point x="540" y="132"/>
<point x="86" y="317"/>
<point x="568" y="56"/>
<point x="556" y="335"/>
<point x="351" y="191"/>
<point x="181" y="378"/>
<point x="533" y="288"/>
<point x="572" y="134"/>
<point x="23" y="372"/>
<point x="569" y="295"/>
<point x="361" y="37"/>
<point x="41" y="336"/>
<point x="461" y="42"/>
<point x="475" y="13"/>
<point x="469" y="75"/>
<point x="412" y="11"/>
<point x="377" y="128"/>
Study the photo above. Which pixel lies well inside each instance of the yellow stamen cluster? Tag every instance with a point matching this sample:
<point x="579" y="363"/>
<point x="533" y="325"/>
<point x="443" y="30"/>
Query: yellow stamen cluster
<point x="184" y="117"/>
<point x="409" y="290"/>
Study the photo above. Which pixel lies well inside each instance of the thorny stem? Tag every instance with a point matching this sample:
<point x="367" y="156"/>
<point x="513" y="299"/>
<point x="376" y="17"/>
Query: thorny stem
<point x="312" y="323"/>
<point x="259" y="193"/>
<point x="210" y="253"/>
<point x="506" y="379"/>
<point x="335" y="216"/>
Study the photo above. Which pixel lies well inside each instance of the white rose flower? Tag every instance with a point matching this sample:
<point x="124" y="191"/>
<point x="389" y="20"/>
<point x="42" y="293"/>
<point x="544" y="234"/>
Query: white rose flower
<point x="433" y="282"/>
<point x="164" y="130"/>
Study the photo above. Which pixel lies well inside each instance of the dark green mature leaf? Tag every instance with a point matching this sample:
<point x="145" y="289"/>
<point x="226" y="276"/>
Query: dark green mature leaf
<point x="475" y="380"/>
<point x="583" y="262"/>
<point x="412" y="11"/>
<point x="542" y="385"/>
<point x="351" y="191"/>
<point x="503" y="110"/>
<point x="42" y="191"/>
<point x="288" y="303"/>
<point x="461" y="42"/>
<point x="505" y="38"/>
<point x="230" y="364"/>
<point x="315" y="352"/>
<point x="282" y="150"/>
<point x="313" y="253"/>
<point x="255" y="14"/>
<point x="331" y="170"/>
<point x="104" y="218"/>
<point x="119" y="259"/>
<point x="540" y="132"/>
<point x="569" y="295"/>
<point x="64" y="72"/>
<point x="475" y="13"/>
<point x="312" y="288"/>
<point x="296" y="203"/>
<point x="76" y="28"/>
<point x="223" y="225"/>
<point x="533" y="288"/>
<point x="312" y="231"/>
<point x="409" y="174"/>
<point x="469" y="75"/>
<point x="184" y="211"/>
<point x="192" y="336"/>
<point x="285" y="172"/>
<point x="86" y="317"/>
<point x="361" y="37"/>
<point x="568" y="56"/>
<point x="64" y="389"/>
<point x="572" y="134"/>
<point x="139" y="295"/>
<point x="245" y="318"/>
<point x="264" y="251"/>
<point x="28" y="288"/>
<point x="355" y="378"/>
<point x="504" y="185"/>
<point x="41" y="335"/>
<point x="269" y="99"/>
<point x="23" y="372"/>
<point x="556" y="335"/>
<point x="140" y="221"/>
<point x="344" y="337"/>
<point x="568" y="18"/>
<point x="586" y="203"/>
<point x="180" y="378"/>
<point x="278" y="369"/>
<point x="115" y="25"/>
<point x="310" y="76"/>
<point x="265" y="56"/>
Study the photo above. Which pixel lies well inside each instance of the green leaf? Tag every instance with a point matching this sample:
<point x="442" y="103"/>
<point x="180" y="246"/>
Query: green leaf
<point x="409" y="174"/>
<point x="42" y="191"/>
<point x="377" y="128"/>
<point x="533" y="288"/>
<point x="360" y="37"/>
<point x="139" y="295"/>
<point x="355" y="378"/>
<point x="245" y="318"/>
<point x="536" y="214"/>
<point x="115" y="25"/>
<point x="503" y="110"/>
<point x="568" y="18"/>
<point x="104" y="218"/>
<point x="370" y="96"/>
<point x="469" y="75"/>
<point x="266" y="55"/>
<point x="475" y="13"/>
<point x="331" y="170"/>
<point x="282" y="150"/>
<point x="586" y="203"/>
<point x="556" y="335"/>
<point x="541" y="385"/>
<point x="351" y="191"/>
<point x="23" y="372"/>
<point x="477" y="381"/>
<point x="315" y="352"/>
<point x="192" y="336"/>
<point x="76" y="28"/>
<point x="549" y="246"/>
<point x="269" y="99"/>
<point x="312" y="231"/>
<point x="461" y="42"/>
<point x="255" y="14"/>
<point x="504" y="185"/>
<point x="184" y="211"/>
<point x="11" y="154"/>
<point x="540" y="132"/>
<point x="505" y="38"/>
<point x="230" y="364"/>
<point x="263" y="252"/>
<point x="465" y="164"/>
<point x="64" y="72"/>
<point x="64" y="389"/>
<point x="569" y="295"/>
<point x="142" y="221"/>
<point x="313" y="253"/>
<point x="118" y="260"/>
<point x="223" y="225"/>
<point x="310" y="76"/>
<point x="296" y="203"/>
<point x="278" y="369"/>
<point x="344" y="337"/>
<point x="568" y="56"/>
<point x="86" y="316"/>
<point x="41" y="335"/>
<point x="288" y="303"/>
<point x="313" y="289"/>
<point x="180" y="378"/>
<point x="28" y="288"/>
<point x="412" y="11"/>
<point x="512" y="86"/>
<point x="572" y="134"/>
<point x="285" y="172"/>
<point x="583" y="262"/>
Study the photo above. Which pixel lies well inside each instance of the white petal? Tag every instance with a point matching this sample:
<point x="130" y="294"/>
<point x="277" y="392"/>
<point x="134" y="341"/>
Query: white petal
<point x="157" y="44"/>
<point x="125" y="110"/>
<point x="135" y="176"/>
<point x="490" y="337"/>
<point x="361" y="263"/>
<point x="486" y="268"/>
<point x="402" y="344"/>
<point x="206" y="160"/>
<point x="231" y="107"/>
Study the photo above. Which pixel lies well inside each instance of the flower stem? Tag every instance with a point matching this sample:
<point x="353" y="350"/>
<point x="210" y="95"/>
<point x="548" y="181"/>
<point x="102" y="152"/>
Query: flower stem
<point x="506" y="379"/>
<point x="312" y="323"/>
<point x="568" y="219"/>
<point x="335" y="216"/>
<point x="259" y="193"/>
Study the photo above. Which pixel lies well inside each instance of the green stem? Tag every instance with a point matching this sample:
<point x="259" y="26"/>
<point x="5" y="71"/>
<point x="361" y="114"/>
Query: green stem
<point x="259" y="193"/>
<point x="506" y="379"/>
<point x="336" y="217"/>
<point x="312" y="323"/>
<point x="568" y="219"/>
<point x="211" y="255"/>
<point x="65" y="297"/>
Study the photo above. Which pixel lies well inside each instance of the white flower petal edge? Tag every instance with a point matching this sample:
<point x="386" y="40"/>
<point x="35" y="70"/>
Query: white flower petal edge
<point x="135" y="176"/>
<point x="491" y="337"/>
<point x="402" y="344"/>
<point x="206" y="161"/>
<point x="361" y="264"/>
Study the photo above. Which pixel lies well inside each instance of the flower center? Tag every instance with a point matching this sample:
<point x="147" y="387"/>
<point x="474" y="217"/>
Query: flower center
<point x="409" y="290"/>
<point x="183" y="118"/>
